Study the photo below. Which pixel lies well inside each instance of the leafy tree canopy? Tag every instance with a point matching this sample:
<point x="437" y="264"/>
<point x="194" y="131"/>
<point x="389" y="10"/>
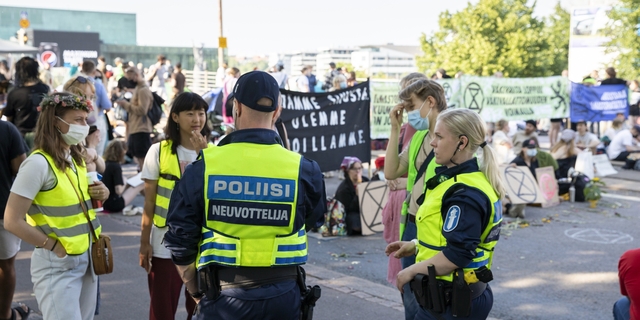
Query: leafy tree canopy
<point x="498" y="36"/>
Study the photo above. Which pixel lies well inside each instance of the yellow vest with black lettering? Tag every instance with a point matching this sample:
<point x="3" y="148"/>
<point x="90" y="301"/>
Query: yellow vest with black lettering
<point x="250" y="197"/>
<point x="58" y="213"/>
<point x="430" y="222"/>
<point x="169" y="174"/>
<point x="414" y="149"/>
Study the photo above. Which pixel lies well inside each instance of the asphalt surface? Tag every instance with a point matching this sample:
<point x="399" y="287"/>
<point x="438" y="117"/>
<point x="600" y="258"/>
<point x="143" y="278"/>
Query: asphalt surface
<point x="562" y="265"/>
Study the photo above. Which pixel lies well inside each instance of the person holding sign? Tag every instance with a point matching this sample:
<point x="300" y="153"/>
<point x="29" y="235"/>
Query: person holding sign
<point x="458" y="224"/>
<point x="531" y="157"/>
<point x="423" y="99"/>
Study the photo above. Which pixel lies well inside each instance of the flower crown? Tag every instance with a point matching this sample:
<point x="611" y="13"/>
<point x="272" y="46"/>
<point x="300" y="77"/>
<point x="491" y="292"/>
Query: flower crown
<point x="66" y="101"/>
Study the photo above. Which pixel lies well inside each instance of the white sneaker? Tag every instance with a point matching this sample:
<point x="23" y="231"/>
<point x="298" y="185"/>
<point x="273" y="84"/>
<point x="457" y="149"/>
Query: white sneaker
<point x="138" y="210"/>
<point x="129" y="211"/>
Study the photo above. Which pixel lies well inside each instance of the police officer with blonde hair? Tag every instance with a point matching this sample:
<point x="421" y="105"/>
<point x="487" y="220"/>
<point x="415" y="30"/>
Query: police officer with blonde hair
<point x="458" y="224"/>
<point x="238" y="217"/>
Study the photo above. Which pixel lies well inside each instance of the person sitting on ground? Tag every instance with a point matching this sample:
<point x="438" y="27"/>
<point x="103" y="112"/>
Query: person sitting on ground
<point x="616" y="126"/>
<point x="628" y="307"/>
<point x="347" y="193"/>
<point x="565" y="152"/>
<point x="501" y="142"/>
<point x="120" y="194"/>
<point x="623" y="144"/>
<point x="531" y="157"/>
<point x="586" y="140"/>
<point x="520" y="136"/>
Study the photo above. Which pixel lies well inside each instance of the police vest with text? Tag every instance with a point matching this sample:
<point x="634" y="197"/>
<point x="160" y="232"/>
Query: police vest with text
<point x="58" y="213"/>
<point x="415" y="147"/>
<point x="250" y="207"/>
<point x="431" y="222"/>
<point x="169" y="174"/>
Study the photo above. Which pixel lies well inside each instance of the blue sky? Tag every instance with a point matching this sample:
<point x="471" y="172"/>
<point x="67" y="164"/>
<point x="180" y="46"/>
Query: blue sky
<point x="269" y="26"/>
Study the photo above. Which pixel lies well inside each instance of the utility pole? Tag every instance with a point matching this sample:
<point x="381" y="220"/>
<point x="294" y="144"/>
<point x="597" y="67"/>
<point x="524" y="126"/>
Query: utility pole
<point x="220" y="44"/>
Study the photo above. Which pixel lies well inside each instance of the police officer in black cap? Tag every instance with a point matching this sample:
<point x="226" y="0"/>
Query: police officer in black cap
<point x="239" y="216"/>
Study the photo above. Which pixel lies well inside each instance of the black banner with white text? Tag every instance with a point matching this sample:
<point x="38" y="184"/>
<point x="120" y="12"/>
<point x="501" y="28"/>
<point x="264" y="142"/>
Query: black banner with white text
<point x="325" y="127"/>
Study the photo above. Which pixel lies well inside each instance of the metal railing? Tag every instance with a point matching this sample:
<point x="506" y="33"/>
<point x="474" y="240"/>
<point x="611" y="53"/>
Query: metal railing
<point x="200" y="81"/>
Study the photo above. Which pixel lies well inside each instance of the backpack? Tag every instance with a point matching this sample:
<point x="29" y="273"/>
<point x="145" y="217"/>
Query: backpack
<point x="334" y="224"/>
<point x="155" y="112"/>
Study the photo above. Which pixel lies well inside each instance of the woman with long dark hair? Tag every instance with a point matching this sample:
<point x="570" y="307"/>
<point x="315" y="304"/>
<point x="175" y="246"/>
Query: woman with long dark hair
<point x="187" y="134"/>
<point x="52" y="187"/>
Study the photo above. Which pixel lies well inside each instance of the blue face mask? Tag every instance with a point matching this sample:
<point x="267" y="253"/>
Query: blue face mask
<point x="343" y="85"/>
<point x="418" y="122"/>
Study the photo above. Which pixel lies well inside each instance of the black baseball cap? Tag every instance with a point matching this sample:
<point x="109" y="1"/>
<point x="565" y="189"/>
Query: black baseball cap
<point x="255" y="85"/>
<point x="532" y="122"/>
<point x="530" y="143"/>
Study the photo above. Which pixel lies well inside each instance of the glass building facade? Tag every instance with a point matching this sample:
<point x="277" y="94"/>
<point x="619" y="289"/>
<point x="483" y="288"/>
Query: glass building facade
<point x="114" y="28"/>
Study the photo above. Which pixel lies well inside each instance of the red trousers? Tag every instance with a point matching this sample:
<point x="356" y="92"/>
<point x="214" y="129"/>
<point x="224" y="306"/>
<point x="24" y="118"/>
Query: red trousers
<point x="165" y="286"/>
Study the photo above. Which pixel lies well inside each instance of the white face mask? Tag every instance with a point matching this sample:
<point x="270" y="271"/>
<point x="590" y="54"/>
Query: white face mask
<point x="532" y="152"/>
<point x="76" y="133"/>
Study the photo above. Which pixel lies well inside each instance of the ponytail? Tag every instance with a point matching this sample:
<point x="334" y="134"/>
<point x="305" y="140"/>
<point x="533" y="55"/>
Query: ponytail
<point x="489" y="166"/>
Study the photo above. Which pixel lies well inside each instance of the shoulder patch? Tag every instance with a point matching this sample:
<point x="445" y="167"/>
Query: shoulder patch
<point x="452" y="219"/>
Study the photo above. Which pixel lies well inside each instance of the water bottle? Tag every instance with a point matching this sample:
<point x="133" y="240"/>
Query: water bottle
<point x="572" y="194"/>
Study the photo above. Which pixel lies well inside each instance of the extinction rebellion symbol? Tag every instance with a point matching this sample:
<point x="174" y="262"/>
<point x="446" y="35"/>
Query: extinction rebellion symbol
<point x="473" y="97"/>
<point x="447" y="90"/>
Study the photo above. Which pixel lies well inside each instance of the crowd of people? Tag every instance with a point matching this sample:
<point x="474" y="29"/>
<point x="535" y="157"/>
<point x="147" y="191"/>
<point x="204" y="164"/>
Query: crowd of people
<point x="437" y="166"/>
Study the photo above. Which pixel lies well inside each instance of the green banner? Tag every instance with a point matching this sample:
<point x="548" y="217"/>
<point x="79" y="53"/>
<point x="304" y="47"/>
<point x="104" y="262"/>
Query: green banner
<point x="384" y="96"/>
<point x="493" y="98"/>
<point x="451" y="91"/>
<point x="514" y="98"/>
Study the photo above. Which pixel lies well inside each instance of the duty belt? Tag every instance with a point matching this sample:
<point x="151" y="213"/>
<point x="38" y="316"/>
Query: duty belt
<point x="412" y="218"/>
<point x="247" y="278"/>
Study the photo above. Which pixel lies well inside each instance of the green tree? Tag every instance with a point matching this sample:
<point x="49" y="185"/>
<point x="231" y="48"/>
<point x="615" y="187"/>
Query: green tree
<point x="625" y="38"/>
<point x="558" y="27"/>
<point x="490" y="36"/>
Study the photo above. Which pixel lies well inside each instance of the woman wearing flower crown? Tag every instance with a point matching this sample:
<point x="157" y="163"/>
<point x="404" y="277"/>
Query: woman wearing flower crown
<point x="52" y="191"/>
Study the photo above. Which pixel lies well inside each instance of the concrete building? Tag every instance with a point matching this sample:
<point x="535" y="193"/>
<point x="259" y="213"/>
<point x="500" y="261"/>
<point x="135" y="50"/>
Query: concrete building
<point x="335" y="55"/>
<point x="114" y="28"/>
<point x="390" y="60"/>
<point x="302" y="59"/>
<point x="117" y="36"/>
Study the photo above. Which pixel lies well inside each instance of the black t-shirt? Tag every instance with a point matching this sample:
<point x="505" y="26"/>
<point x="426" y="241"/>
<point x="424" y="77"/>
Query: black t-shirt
<point x="112" y="177"/>
<point x="22" y="103"/>
<point x="519" y="161"/>
<point x="11" y="146"/>
<point x="125" y="83"/>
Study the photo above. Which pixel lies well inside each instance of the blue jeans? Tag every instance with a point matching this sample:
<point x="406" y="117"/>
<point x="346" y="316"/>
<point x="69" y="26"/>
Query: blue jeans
<point x="411" y="306"/>
<point x="621" y="309"/>
<point x="480" y="308"/>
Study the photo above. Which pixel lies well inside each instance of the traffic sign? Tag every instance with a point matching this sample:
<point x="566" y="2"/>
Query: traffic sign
<point x="24" y="23"/>
<point x="222" y="42"/>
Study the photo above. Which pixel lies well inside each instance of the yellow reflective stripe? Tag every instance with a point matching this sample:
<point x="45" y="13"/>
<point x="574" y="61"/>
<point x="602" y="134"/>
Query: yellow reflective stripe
<point x="162" y="212"/>
<point x="164" y="192"/>
<point x="62" y="211"/>
<point x="60" y="222"/>
<point x="78" y="230"/>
